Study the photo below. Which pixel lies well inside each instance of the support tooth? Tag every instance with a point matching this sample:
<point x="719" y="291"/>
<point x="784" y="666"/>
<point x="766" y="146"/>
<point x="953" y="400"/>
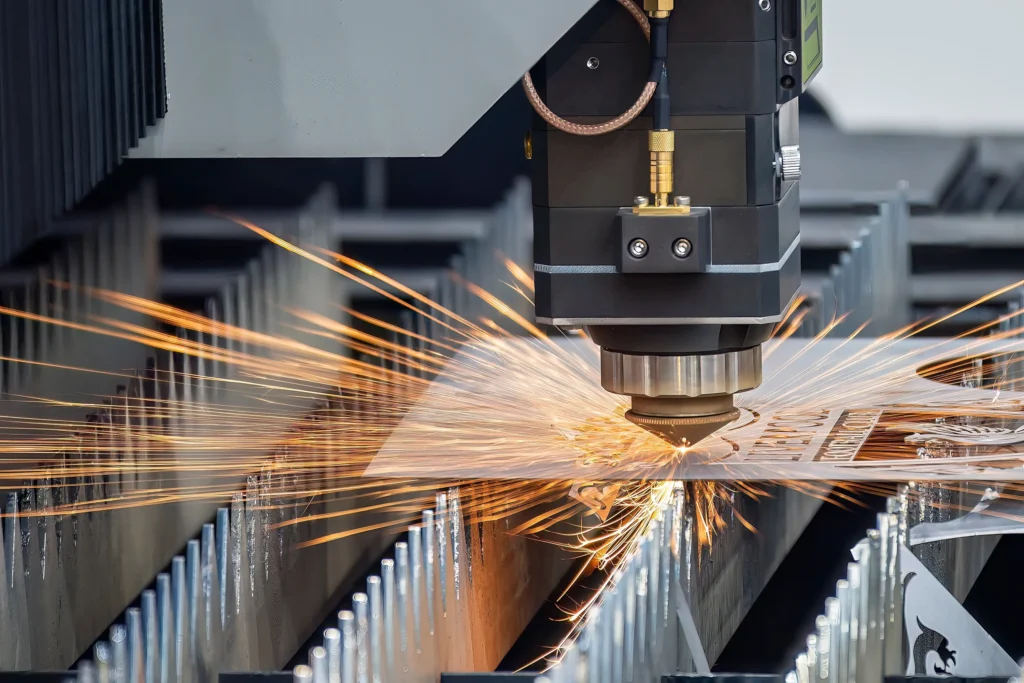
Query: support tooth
<point x="150" y="636"/>
<point x="210" y="596"/>
<point x="103" y="657"/>
<point x="166" y="665"/>
<point x="136" y="659"/>
<point x="182" y="664"/>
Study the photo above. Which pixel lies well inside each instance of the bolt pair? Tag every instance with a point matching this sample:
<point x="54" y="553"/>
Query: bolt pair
<point x="681" y="248"/>
<point x="643" y="202"/>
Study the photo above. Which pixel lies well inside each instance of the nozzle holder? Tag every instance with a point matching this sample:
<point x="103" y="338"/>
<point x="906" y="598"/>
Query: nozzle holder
<point x="690" y="376"/>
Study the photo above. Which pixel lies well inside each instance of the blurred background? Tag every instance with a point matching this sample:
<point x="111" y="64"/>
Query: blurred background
<point x="918" y="93"/>
<point x="912" y="190"/>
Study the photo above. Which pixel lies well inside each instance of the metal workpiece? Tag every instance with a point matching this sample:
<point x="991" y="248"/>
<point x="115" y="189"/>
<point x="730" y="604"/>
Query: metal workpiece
<point x="873" y="626"/>
<point x="956" y="562"/>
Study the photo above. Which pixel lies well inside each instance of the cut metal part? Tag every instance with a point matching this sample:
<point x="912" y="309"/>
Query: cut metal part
<point x="643" y="626"/>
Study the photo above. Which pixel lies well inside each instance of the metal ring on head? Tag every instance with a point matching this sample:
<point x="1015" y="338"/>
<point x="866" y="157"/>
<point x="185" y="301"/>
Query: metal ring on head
<point x="692" y="375"/>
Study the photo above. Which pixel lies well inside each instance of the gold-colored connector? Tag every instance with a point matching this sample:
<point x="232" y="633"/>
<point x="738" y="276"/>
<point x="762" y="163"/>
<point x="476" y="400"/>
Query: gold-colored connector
<point x="662" y="146"/>
<point x="661" y="140"/>
<point x="659" y="9"/>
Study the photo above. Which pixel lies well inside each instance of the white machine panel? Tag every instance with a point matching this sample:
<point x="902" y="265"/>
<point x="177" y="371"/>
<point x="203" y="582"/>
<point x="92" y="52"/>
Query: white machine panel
<point x="342" y="78"/>
<point x="923" y="66"/>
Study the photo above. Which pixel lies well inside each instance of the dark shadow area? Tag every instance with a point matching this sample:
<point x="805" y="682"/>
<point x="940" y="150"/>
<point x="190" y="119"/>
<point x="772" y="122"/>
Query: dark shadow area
<point x="996" y="600"/>
<point x="550" y="625"/>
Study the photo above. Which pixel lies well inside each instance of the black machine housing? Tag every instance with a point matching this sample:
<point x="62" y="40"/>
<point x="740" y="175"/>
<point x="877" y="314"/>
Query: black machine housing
<point x="733" y="109"/>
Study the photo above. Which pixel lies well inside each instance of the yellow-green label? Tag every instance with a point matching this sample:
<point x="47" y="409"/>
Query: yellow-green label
<point x="811" y="28"/>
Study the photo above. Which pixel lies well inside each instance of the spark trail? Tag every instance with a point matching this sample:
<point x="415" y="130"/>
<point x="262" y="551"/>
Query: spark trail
<point x="523" y="427"/>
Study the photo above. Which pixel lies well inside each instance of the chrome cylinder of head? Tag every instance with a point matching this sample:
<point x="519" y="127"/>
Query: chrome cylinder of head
<point x="690" y="376"/>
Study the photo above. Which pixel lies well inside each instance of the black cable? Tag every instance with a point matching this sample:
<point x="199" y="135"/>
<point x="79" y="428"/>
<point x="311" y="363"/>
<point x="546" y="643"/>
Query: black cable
<point x="659" y="73"/>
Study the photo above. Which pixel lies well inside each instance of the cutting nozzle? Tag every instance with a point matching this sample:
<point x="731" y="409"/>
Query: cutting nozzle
<point x="682" y="422"/>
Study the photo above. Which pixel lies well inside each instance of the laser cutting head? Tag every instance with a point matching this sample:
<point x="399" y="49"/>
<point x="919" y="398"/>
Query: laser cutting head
<point x="681" y="398"/>
<point x="679" y="291"/>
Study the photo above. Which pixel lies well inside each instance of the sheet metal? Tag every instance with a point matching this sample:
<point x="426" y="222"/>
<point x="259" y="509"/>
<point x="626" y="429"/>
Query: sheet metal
<point x="819" y="404"/>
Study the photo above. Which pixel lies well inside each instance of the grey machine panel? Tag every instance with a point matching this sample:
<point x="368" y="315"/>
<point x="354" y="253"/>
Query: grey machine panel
<point x="874" y="165"/>
<point x="342" y="78"/>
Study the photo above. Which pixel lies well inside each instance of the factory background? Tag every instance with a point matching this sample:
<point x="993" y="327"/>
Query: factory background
<point x="900" y="221"/>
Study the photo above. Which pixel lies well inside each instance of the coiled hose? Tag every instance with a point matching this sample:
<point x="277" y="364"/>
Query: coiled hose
<point x="608" y="126"/>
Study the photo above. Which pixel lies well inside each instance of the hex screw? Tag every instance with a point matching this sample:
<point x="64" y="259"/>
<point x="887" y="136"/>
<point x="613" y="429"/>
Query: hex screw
<point x="681" y="248"/>
<point x="638" y="248"/>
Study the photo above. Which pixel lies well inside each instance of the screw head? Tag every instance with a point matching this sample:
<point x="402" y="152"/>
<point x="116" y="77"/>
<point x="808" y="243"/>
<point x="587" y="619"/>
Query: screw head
<point x="765" y="5"/>
<point x="789" y="58"/>
<point x="681" y="201"/>
<point x="593" y="63"/>
<point x="682" y="247"/>
<point x="641" y="201"/>
<point x="638" y="248"/>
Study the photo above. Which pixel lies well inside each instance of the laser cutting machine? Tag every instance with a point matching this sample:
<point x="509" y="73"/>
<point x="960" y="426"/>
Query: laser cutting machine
<point x="681" y="287"/>
<point x="663" y="218"/>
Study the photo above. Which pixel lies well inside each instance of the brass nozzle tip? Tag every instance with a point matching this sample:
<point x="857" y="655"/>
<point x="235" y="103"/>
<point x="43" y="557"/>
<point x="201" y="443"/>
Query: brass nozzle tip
<point x="682" y="432"/>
